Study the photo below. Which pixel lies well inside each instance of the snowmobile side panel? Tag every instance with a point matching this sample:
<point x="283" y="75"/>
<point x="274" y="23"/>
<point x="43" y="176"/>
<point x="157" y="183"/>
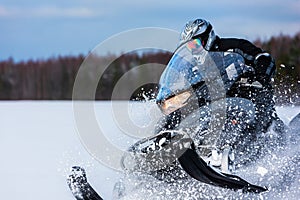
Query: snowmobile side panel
<point x="295" y="121"/>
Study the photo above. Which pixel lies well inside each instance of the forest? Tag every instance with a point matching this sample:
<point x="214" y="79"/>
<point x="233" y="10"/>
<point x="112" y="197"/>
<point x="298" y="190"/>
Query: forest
<point x="53" y="78"/>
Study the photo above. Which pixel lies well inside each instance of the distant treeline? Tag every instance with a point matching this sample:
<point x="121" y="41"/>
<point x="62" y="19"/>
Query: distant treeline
<point x="53" y="78"/>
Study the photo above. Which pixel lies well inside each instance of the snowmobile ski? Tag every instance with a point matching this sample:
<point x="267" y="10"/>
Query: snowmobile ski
<point x="79" y="186"/>
<point x="197" y="168"/>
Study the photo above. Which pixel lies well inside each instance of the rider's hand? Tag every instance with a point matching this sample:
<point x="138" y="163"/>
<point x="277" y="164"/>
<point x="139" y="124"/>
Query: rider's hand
<point x="264" y="67"/>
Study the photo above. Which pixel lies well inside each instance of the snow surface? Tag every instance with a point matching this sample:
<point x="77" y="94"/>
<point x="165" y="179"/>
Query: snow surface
<point x="39" y="144"/>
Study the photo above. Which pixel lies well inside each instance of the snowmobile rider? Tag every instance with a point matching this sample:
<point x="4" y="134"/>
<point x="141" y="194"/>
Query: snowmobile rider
<point x="255" y="86"/>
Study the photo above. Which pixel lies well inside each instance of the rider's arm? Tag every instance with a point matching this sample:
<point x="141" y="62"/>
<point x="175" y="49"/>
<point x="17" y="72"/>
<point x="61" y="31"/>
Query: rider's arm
<point x="261" y="61"/>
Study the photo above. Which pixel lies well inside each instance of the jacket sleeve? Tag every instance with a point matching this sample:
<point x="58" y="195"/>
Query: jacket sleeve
<point x="241" y="46"/>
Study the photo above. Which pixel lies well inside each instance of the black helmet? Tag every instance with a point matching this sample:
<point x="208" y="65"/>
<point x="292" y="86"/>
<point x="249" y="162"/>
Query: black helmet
<point x="198" y="28"/>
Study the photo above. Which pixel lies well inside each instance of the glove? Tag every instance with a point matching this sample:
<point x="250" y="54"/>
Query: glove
<point x="264" y="66"/>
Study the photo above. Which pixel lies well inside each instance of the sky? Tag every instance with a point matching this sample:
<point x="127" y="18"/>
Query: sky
<point x="39" y="29"/>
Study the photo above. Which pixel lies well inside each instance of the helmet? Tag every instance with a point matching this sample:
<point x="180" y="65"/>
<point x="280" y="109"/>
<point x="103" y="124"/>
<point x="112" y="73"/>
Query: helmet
<point x="198" y="28"/>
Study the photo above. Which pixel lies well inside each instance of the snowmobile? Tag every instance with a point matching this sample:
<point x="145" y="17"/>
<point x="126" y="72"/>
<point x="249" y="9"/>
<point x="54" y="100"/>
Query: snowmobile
<point x="204" y="134"/>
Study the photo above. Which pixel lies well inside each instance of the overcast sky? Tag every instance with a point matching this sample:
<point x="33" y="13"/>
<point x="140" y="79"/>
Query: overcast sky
<point x="45" y="28"/>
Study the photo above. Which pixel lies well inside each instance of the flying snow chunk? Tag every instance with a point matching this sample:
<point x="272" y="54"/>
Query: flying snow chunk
<point x="262" y="171"/>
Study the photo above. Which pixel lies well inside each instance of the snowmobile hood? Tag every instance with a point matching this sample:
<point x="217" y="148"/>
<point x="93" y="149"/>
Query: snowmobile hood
<point x="192" y="66"/>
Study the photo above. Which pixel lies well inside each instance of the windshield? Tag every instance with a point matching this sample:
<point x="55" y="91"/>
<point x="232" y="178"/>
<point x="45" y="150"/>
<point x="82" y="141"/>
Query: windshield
<point x="192" y="65"/>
